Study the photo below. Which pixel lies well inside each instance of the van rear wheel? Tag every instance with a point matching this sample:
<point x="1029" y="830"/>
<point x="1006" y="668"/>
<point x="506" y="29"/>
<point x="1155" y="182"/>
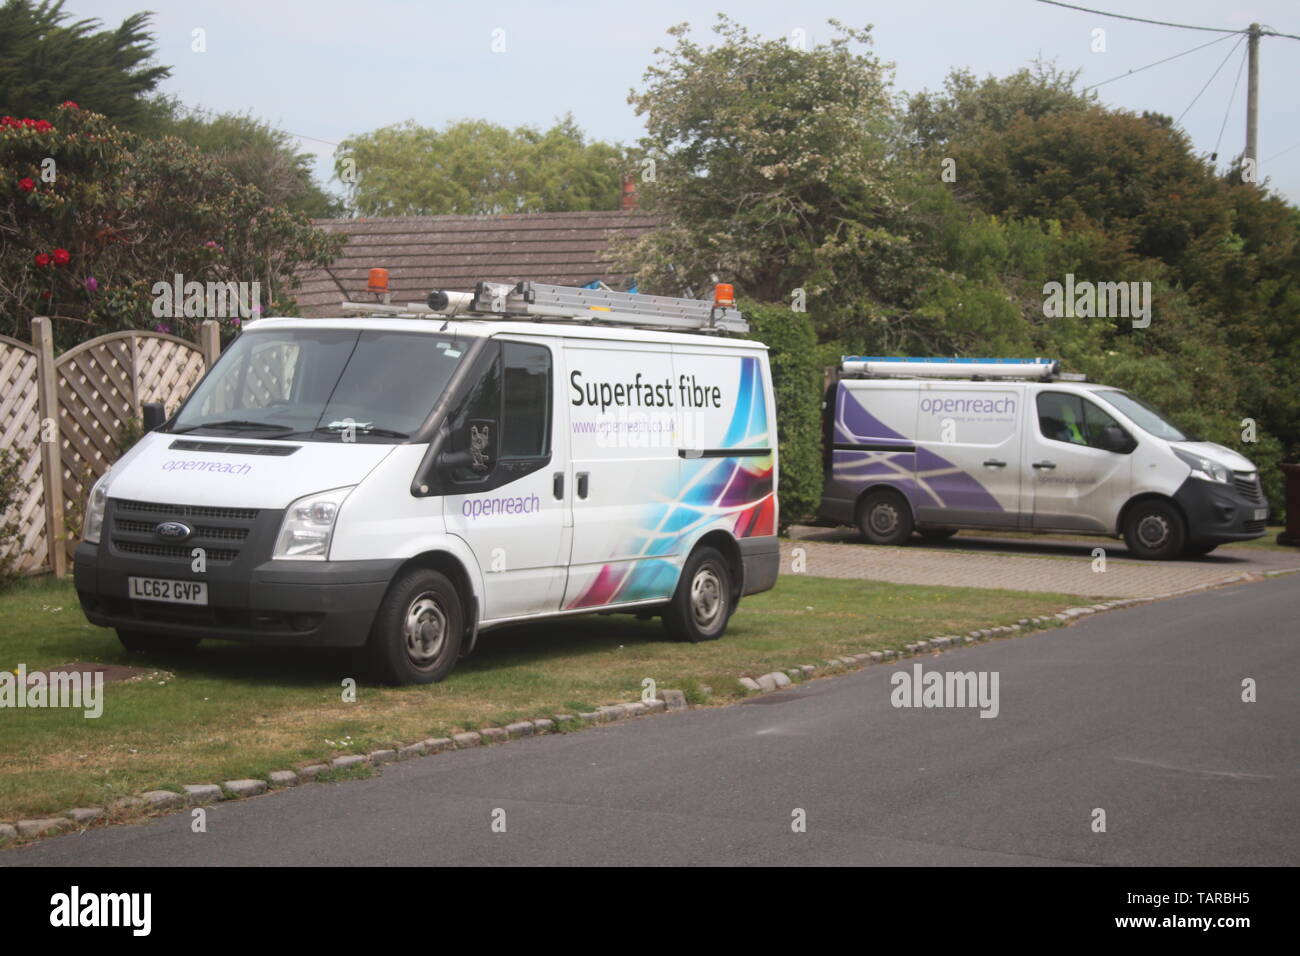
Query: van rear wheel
<point x="884" y="517"/>
<point x="417" y="631"/>
<point x="1154" y="530"/>
<point x="703" y="602"/>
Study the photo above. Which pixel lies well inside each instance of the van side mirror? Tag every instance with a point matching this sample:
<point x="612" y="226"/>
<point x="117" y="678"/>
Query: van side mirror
<point x="1115" y="439"/>
<point x="153" y="415"/>
<point x="478" y="449"/>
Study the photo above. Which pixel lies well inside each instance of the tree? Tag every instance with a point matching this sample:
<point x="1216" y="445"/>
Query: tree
<point x="46" y="60"/>
<point x="93" y="218"/>
<point x="254" y="152"/>
<point x="474" y="167"/>
<point x="969" y="108"/>
<point x="771" y="167"/>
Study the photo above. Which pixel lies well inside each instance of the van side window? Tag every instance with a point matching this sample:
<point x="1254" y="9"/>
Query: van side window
<point x="526" y="414"/>
<point x="1073" y="419"/>
<point x="1060" y="417"/>
<point x="1095" y="423"/>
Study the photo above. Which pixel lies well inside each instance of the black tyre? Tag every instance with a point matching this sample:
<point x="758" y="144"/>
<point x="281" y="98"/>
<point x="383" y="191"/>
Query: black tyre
<point x="884" y="517"/>
<point x="704" y="599"/>
<point x="1155" y="530"/>
<point x="418" y="628"/>
<point x="935" y="535"/>
<point x="1197" y="550"/>
<point x="139" y="643"/>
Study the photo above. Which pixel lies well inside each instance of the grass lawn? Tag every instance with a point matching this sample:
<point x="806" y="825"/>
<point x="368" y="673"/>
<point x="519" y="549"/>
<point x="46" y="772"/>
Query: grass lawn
<point x="231" y="711"/>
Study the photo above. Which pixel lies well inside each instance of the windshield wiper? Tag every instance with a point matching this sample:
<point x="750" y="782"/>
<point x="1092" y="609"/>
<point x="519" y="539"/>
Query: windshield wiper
<point x="234" y="424"/>
<point x="365" y="428"/>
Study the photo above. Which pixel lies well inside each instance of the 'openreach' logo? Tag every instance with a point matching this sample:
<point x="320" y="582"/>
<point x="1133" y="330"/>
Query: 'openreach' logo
<point x="75" y="908"/>
<point x="946" y="689"/>
<point x="1103" y="300"/>
<point x="79" y="690"/>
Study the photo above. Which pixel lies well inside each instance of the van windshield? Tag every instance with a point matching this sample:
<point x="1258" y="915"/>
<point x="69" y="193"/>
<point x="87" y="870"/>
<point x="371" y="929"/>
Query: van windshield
<point x="323" y="385"/>
<point x="1144" y="416"/>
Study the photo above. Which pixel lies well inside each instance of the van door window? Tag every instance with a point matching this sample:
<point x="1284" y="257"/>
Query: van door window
<point x="1074" y="419"/>
<point x="526" y="413"/>
<point x="508" y="414"/>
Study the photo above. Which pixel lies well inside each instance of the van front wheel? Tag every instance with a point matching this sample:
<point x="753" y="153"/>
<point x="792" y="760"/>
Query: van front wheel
<point x="884" y="517"/>
<point x="1155" y="531"/>
<point x="417" y="631"/>
<point x="703" y="601"/>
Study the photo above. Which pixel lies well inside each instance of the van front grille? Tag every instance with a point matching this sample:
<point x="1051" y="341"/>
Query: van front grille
<point x="1247" y="482"/>
<point x="221" y="533"/>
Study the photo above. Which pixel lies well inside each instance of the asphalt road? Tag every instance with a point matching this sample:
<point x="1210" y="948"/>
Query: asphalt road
<point x="1137" y="712"/>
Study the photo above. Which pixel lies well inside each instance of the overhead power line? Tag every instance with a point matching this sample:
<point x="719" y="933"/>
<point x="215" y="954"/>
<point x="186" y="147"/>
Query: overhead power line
<point x="1209" y="81"/>
<point x="1231" y="99"/>
<point x="1122" y="16"/>
<point x="1158" y="62"/>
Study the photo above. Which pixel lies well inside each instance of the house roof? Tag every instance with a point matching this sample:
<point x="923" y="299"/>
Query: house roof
<point x="422" y="253"/>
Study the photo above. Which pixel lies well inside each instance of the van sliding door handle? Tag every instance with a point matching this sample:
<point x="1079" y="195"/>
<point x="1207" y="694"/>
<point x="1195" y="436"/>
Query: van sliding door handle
<point x="557" y="485"/>
<point x="1045" y="464"/>
<point x="994" y="463"/>
<point x="582" y="483"/>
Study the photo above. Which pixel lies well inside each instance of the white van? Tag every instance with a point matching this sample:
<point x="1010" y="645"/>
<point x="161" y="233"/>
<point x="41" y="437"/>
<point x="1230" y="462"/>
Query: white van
<point x="934" y="445"/>
<point x="408" y="483"/>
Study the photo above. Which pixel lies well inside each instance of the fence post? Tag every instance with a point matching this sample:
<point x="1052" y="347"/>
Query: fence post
<point x="47" y="400"/>
<point x="210" y="341"/>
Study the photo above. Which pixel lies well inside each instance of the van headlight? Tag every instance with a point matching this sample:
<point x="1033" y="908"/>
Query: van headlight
<point x="308" y="526"/>
<point x="93" y="526"/>
<point x="1203" y="468"/>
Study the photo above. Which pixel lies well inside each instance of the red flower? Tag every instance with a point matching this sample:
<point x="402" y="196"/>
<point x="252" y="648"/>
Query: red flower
<point x="45" y="294"/>
<point x="42" y="259"/>
<point x="8" y="121"/>
<point x="26" y="184"/>
<point x="61" y="257"/>
<point x="28" y="122"/>
<point x="43" y="125"/>
<point x="70" y="105"/>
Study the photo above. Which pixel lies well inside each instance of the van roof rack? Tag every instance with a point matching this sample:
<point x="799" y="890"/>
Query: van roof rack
<point x="538" y="301"/>
<point x="882" y="366"/>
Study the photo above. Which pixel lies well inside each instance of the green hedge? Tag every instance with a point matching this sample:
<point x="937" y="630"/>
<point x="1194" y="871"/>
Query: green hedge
<point x="797" y="381"/>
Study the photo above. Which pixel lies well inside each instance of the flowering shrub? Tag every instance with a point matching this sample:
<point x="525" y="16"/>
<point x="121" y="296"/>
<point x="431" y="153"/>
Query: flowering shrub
<point x="92" y="216"/>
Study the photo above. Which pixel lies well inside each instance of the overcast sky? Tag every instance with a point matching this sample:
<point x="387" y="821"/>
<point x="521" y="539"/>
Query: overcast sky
<point x="325" y="69"/>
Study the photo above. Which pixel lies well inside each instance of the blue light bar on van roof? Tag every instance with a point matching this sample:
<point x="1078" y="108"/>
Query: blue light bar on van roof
<point x="906" y="367"/>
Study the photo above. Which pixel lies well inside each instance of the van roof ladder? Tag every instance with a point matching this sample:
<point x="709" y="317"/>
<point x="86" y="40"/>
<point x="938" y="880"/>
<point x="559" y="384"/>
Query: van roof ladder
<point x="881" y="366"/>
<point x="540" y="302"/>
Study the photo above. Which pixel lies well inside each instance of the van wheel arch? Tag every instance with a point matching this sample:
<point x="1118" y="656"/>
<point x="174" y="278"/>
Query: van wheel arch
<point x="727" y="546"/>
<point x="1137" y="500"/>
<point x="451" y="566"/>
<point x="883" y="488"/>
<point x="1178" y="536"/>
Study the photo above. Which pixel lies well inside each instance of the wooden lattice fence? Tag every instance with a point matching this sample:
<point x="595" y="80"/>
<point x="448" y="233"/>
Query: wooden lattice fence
<point x="20" y="433"/>
<point x="66" y="418"/>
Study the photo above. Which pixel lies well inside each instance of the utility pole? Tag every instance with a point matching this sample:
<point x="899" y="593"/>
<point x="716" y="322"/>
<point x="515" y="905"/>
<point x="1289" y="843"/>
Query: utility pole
<point x="1252" y="102"/>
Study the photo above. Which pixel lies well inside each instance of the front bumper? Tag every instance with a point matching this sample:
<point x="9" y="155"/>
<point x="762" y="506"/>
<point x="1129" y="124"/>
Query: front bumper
<point x="1218" y="513"/>
<point x="313" y="603"/>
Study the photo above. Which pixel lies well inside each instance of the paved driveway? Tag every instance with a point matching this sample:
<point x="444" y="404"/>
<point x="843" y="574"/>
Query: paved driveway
<point x="1064" y="565"/>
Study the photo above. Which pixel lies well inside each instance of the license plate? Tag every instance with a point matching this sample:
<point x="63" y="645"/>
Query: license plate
<point x="1261" y="514"/>
<point x="173" y="592"/>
